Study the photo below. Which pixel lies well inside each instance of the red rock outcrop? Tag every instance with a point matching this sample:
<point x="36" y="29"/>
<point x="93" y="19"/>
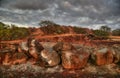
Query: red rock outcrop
<point x="72" y="60"/>
<point x="19" y="58"/>
<point x="116" y="53"/>
<point x="103" y="56"/>
<point x="51" y="57"/>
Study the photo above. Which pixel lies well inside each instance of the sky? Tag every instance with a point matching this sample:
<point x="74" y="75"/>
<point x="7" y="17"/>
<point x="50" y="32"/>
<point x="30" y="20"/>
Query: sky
<point x="85" y="13"/>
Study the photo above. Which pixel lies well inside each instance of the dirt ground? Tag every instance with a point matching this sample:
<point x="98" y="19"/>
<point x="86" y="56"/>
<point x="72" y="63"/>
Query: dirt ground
<point x="33" y="71"/>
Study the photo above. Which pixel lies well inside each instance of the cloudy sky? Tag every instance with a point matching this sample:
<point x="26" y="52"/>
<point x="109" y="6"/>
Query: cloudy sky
<point x="86" y="13"/>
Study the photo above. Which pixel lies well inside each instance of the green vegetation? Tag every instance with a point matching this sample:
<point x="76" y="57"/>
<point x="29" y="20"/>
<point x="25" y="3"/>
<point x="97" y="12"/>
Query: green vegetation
<point x="12" y="32"/>
<point x="19" y="32"/>
<point x="105" y="28"/>
<point x="103" y="32"/>
<point x="116" y="32"/>
<point x="100" y="33"/>
<point x="49" y="27"/>
<point x="79" y="30"/>
<point x="47" y="23"/>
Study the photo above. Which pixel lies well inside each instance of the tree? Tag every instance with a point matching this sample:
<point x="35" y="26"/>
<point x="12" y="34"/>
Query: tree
<point x="100" y="33"/>
<point x="116" y="32"/>
<point x="3" y="26"/>
<point x="105" y="28"/>
<point x="47" y="23"/>
<point x="79" y="30"/>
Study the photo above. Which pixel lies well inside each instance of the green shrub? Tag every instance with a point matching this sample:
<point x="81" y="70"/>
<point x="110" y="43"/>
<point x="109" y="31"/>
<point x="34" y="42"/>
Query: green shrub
<point x="49" y="27"/>
<point x="79" y="30"/>
<point x="12" y="32"/>
<point x="105" y="28"/>
<point x="100" y="33"/>
<point x="116" y="32"/>
<point x="47" y="23"/>
<point x="53" y="29"/>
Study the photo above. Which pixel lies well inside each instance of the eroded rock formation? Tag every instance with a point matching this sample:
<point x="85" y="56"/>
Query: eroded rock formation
<point x="103" y="56"/>
<point x="51" y="57"/>
<point x="70" y="56"/>
<point x="63" y="53"/>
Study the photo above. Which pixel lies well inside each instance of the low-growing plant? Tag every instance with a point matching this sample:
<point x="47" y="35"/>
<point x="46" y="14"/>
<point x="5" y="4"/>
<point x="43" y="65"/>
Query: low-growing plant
<point x="101" y="34"/>
<point x="12" y="32"/>
<point x="79" y="30"/>
<point x="116" y="32"/>
<point x="49" y="27"/>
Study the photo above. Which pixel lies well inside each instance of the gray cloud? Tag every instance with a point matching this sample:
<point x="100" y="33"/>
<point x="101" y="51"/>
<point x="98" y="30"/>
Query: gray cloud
<point x="27" y="4"/>
<point x="69" y="12"/>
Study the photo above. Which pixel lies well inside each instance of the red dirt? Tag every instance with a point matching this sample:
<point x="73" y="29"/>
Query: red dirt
<point x="70" y="37"/>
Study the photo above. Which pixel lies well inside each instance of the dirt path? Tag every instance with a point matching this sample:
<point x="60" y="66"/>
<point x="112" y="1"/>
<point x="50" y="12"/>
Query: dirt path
<point x="62" y="35"/>
<point x="48" y="37"/>
<point x="115" y="38"/>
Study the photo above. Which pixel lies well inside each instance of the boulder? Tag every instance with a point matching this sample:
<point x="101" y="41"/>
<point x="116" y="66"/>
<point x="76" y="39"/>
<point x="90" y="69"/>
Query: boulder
<point x="74" y="60"/>
<point x="19" y="58"/>
<point x="63" y="46"/>
<point x="116" y="53"/>
<point x="34" y="47"/>
<point x="33" y="52"/>
<point x="50" y="57"/>
<point x="7" y="58"/>
<point x="68" y="46"/>
<point x="6" y="55"/>
<point x="103" y="56"/>
<point x="58" y="46"/>
<point x="71" y="58"/>
<point x="31" y="48"/>
<point x="35" y="43"/>
<point x="1" y="57"/>
<point x="23" y="46"/>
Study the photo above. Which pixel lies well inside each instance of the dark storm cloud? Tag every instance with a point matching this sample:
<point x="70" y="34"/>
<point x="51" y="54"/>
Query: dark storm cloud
<point x="27" y="4"/>
<point x="72" y="12"/>
<point x="91" y="8"/>
<point x="118" y="6"/>
<point x="30" y="5"/>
